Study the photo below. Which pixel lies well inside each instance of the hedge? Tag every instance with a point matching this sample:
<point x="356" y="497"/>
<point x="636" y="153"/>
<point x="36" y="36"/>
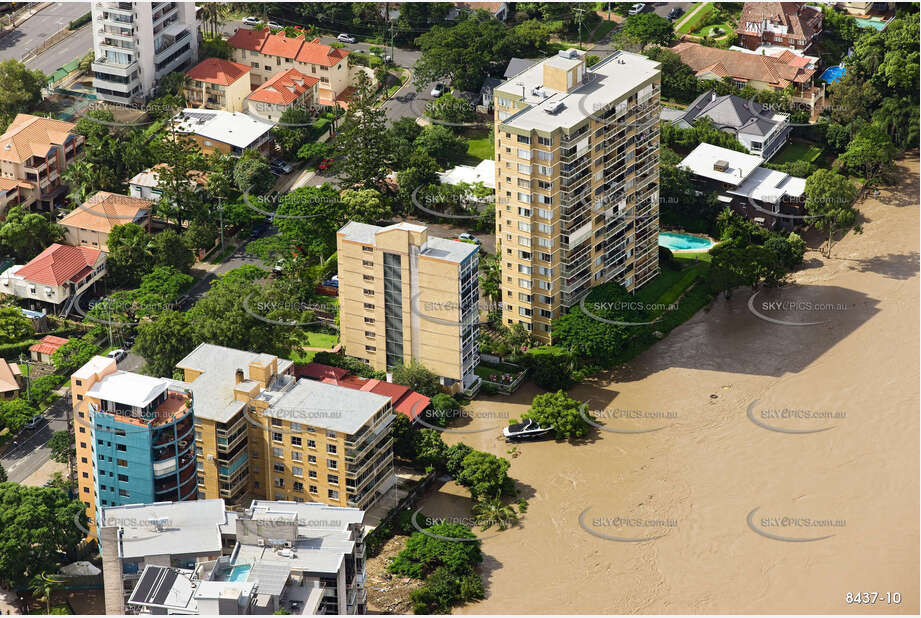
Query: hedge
<point x="80" y="21"/>
<point x="11" y="351"/>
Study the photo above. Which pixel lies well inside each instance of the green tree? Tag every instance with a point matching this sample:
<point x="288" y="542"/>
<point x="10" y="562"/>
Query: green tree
<point x="62" y="446"/>
<point x="3" y="477"/>
<point x="484" y="474"/>
<point x="37" y="531"/>
<point x="20" y="90"/>
<point x="129" y="257"/>
<point x="428" y="448"/>
<point x="14" y="326"/>
<point x="454" y="458"/>
<point x="212" y="15"/>
<point x="293" y="131"/>
<point x="309" y="218"/>
<point x="364" y="206"/>
<point x="679" y="82"/>
<point x="417" y="377"/>
<point x="560" y="411"/>
<point x="165" y="341"/>
<point x="551" y="367"/>
<point x="252" y="173"/>
<point x="645" y="29"/>
<point x="15" y="413"/>
<point x="426" y="552"/>
<point x="491" y="512"/>
<point x="830" y="200"/>
<point x="214" y="47"/>
<point x="869" y="151"/>
<point x="444" y="408"/>
<point x="363" y="149"/>
<point x="440" y="143"/>
<point x="403" y="432"/>
<point x="450" y="109"/>
<point x="73" y="355"/>
<point x="444" y="589"/>
<point x="25" y="234"/>
<point x="169" y="249"/>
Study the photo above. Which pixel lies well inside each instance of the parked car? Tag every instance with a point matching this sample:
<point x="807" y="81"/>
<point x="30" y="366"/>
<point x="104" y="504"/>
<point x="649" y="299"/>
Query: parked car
<point x="279" y="267"/>
<point x="251" y="21"/>
<point x="345" y="38"/>
<point x="283" y="166"/>
<point x="325" y="164"/>
<point x="438" y="90"/>
<point x="299" y="28"/>
<point x="274" y="25"/>
<point x="118" y="355"/>
<point x="675" y="13"/>
<point x="469" y="238"/>
<point x="331" y="283"/>
<point x="34" y="422"/>
<point x="636" y="9"/>
<point x="528" y="430"/>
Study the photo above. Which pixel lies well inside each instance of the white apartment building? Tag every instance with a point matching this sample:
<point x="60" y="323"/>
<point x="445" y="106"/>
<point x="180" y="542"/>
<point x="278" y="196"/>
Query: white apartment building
<point x="137" y="43"/>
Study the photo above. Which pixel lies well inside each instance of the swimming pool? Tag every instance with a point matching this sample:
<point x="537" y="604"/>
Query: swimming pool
<point x="684" y="242"/>
<point x="832" y="74"/>
<point x="870" y="22"/>
<point x="239" y="573"/>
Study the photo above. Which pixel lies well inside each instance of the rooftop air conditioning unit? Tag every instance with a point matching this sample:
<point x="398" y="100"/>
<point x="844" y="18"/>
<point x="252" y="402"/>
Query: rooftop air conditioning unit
<point x="260" y="542"/>
<point x="554" y="107"/>
<point x="721" y="166"/>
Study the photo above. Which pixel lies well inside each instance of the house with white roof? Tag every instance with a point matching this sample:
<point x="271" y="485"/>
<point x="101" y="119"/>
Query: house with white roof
<point x="768" y="197"/>
<point x="225" y="132"/>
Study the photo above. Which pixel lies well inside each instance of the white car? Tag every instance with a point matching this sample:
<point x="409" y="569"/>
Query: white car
<point x="118" y="355"/>
<point x="345" y="38"/>
<point x="274" y="25"/>
<point x="251" y="21"/>
<point x="438" y="90"/>
<point x="636" y="9"/>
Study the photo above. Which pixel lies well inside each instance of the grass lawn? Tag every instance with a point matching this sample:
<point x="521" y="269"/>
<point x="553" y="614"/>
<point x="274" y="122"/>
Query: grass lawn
<point x="797" y="151"/>
<point x="480" y="148"/>
<point x="691" y="24"/>
<point x="706" y="30"/>
<point x="301" y="358"/>
<point x="602" y="30"/>
<point x="312" y="339"/>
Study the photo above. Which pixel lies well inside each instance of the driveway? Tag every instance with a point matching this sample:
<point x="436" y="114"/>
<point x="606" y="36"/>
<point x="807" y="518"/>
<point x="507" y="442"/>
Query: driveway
<point x="30" y="450"/>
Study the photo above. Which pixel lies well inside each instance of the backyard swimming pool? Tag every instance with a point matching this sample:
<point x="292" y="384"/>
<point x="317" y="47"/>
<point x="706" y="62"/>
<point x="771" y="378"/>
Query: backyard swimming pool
<point x="871" y="22"/>
<point x="684" y="242"/>
<point x="239" y="573"/>
<point x="832" y="74"/>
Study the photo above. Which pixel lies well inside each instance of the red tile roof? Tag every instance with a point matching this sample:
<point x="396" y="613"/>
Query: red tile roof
<point x="405" y="401"/>
<point x="59" y="264"/>
<point x="8" y="373"/>
<point x="283" y="88"/>
<point x="244" y="38"/>
<point x="315" y="52"/>
<point x="280" y="45"/>
<point x="217" y="71"/>
<point x="48" y="345"/>
<point x="741" y="65"/>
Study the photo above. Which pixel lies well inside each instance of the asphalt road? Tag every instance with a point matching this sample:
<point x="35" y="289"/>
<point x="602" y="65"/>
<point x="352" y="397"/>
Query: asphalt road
<point x="31" y="452"/>
<point x="662" y="8"/>
<point x="33" y="32"/>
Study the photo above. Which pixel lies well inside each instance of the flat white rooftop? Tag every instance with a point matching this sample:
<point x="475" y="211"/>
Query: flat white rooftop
<point x="131" y="389"/>
<point x="770" y="186"/>
<point x="604" y="83"/>
<point x="234" y="128"/>
<point x="167" y="528"/>
<point x="701" y="161"/>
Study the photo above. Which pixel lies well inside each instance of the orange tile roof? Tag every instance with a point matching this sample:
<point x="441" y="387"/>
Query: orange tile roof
<point x="105" y="210"/>
<point x="244" y="38"/>
<point x="280" y="45"/>
<point x="48" y="345"/>
<point x="29" y="136"/>
<point x="725" y="62"/>
<point x="59" y="264"/>
<point x="283" y="88"/>
<point x="217" y="71"/>
<point x="314" y="52"/>
<point x="8" y="183"/>
<point x="8" y="373"/>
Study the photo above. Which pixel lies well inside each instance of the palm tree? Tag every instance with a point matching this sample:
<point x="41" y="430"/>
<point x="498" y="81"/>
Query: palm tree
<point x="43" y="585"/>
<point x="493" y="512"/>
<point x="211" y="13"/>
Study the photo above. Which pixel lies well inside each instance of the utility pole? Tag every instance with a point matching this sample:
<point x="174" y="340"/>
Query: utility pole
<point x="27" y="364"/>
<point x="579" y="11"/>
<point x="220" y="209"/>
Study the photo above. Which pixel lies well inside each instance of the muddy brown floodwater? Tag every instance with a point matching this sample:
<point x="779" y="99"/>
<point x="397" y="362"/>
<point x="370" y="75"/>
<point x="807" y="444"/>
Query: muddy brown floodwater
<point x="722" y="475"/>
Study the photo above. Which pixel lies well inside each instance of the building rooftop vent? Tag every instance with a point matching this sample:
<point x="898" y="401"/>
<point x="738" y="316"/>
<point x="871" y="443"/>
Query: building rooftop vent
<point x="554" y="107"/>
<point x="572" y="52"/>
<point x="721" y="166"/>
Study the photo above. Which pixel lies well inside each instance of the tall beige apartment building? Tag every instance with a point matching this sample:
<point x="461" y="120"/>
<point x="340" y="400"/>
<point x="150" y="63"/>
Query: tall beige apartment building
<point x="406" y="295"/>
<point x="577" y="182"/>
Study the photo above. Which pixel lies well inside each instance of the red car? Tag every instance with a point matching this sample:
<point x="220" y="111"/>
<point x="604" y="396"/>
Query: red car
<point x="325" y="164"/>
<point x="299" y="28"/>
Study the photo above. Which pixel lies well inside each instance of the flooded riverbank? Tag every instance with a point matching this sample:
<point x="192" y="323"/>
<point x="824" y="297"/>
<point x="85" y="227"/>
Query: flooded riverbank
<point x="777" y="467"/>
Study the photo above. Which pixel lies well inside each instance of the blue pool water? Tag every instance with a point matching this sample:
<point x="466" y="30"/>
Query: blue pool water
<point x="865" y="22"/>
<point x="239" y="573"/>
<point x="832" y="74"/>
<point x="683" y="242"/>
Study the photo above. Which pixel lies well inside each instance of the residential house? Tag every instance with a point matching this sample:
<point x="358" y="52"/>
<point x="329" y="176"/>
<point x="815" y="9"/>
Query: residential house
<point x="10" y="380"/>
<point x="484" y="172"/>
<point x="34" y="151"/>
<point x="89" y="224"/>
<point x="794" y="25"/>
<point x="407" y="295"/>
<point x="498" y="10"/>
<point x="225" y="132"/>
<point x="146" y="185"/>
<point x="768" y="197"/>
<point x="285" y="90"/>
<point x="267" y="53"/>
<point x="783" y="54"/>
<point x="760" y="130"/>
<point x="171" y="535"/>
<point x="486" y="92"/>
<point x="215" y="83"/>
<point x="577" y="182"/>
<point x="55" y="277"/>
<point x="760" y="72"/>
<point x="281" y="558"/>
<point x="42" y="351"/>
<point x="11" y="193"/>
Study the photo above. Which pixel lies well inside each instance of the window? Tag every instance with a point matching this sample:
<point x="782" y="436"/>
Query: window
<point x="543" y="213"/>
<point x="369" y="320"/>
<point x="543" y="155"/>
<point x="277" y="436"/>
<point x="332" y="464"/>
<point x="278" y="467"/>
<point x="543" y="170"/>
<point x="369" y="306"/>
<point x="278" y="452"/>
<point x="79" y="397"/>
<point x="544" y="242"/>
<point x="370" y="334"/>
<point x="525" y="283"/>
<point x="312" y="489"/>
<point x="543" y="228"/>
<point x="298" y="486"/>
<point x="276" y="422"/>
<point x="524" y="212"/>
<point x="367" y="263"/>
<point x="312" y="474"/>
<point x="544" y="141"/>
<point x="121" y="447"/>
<point x="297" y="456"/>
<point x="123" y="478"/>
<point x="124" y="493"/>
<point x="367" y="249"/>
<point x="312" y="459"/>
<point x="524" y="270"/>
<point x="332" y="479"/>
<point x="86" y="475"/>
<point x="546" y="257"/>
<point x="524" y="312"/>
<point x="523" y="139"/>
<point x="524" y="226"/>
<point x="545" y="314"/>
<point x="295" y="441"/>
<point x="333" y="494"/>
<point x="297" y="471"/>
<point x="368" y="292"/>
<point x="370" y="348"/>
<point x="524" y="154"/>
<point x="331" y="449"/>
<point x="311" y="444"/>
<point x="368" y="277"/>
<point x="524" y="169"/>
<point x="525" y="298"/>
